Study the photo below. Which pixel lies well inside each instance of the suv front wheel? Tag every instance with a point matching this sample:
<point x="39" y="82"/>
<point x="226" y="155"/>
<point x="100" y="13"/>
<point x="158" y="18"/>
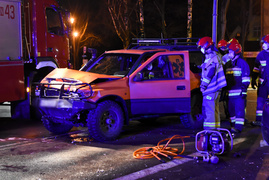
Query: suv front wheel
<point x="106" y="121"/>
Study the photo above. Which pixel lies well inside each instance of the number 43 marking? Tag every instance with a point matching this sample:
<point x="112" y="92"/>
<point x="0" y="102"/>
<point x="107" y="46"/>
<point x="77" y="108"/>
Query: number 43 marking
<point x="9" y="11"/>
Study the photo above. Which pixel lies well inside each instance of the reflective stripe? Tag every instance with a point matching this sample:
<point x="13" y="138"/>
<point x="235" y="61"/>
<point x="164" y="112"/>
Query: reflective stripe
<point x="234" y="71"/>
<point x="245" y="79"/>
<point x="235" y="92"/>
<point x="206" y="80"/>
<point x="259" y="113"/>
<point x="239" y="121"/>
<point x="232" y="119"/>
<point x="255" y="69"/>
<point x="216" y="85"/>
<point x="263" y="63"/>
<point x="237" y="73"/>
<point x="208" y="97"/>
<point x="211" y="124"/>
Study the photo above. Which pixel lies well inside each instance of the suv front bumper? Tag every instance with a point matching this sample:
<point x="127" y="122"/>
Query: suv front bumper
<point x="61" y="108"/>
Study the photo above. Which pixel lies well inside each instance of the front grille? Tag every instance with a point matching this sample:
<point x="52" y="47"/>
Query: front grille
<point x="63" y="90"/>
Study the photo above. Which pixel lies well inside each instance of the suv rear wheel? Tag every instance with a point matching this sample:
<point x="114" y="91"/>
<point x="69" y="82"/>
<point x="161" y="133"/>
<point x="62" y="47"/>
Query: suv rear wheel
<point x="194" y="120"/>
<point x="106" y="121"/>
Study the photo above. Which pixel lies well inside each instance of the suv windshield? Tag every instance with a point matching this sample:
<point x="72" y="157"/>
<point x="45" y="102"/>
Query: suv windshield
<point x="113" y="64"/>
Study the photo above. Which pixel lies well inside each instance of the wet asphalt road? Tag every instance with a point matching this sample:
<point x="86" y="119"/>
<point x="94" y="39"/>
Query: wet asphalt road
<point x="29" y="151"/>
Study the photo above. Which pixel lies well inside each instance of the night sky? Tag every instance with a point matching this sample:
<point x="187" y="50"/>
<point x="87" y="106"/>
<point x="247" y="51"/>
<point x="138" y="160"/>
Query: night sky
<point x="100" y="23"/>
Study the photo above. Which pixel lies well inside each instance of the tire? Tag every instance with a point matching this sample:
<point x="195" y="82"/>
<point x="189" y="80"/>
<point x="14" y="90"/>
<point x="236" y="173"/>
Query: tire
<point x="106" y="121"/>
<point x="194" y="120"/>
<point x="56" y="128"/>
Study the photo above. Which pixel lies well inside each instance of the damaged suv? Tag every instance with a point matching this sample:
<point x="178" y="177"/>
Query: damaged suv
<point x="120" y="86"/>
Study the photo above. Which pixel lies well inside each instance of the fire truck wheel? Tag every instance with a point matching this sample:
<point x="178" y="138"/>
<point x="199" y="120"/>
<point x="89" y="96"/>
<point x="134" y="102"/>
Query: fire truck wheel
<point x="106" y="121"/>
<point x="194" y="120"/>
<point x="56" y="128"/>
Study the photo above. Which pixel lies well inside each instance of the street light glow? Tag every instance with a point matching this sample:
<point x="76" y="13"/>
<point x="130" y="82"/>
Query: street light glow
<point x="75" y="34"/>
<point x="72" y="20"/>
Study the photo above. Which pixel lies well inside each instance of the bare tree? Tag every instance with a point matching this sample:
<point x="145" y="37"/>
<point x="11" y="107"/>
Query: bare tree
<point x="120" y="12"/>
<point x="161" y="9"/>
<point x="223" y="18"/>
<point x="246" y="15"/>
<point x="189" y="20"/>
<point x="141" y="18"/>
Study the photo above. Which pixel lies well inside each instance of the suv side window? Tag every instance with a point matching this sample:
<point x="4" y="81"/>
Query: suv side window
<point x="157" y="69"/>
<point x="164" y="67"/>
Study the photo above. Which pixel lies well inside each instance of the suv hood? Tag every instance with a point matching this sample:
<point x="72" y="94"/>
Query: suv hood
<point x="70" y="75"/>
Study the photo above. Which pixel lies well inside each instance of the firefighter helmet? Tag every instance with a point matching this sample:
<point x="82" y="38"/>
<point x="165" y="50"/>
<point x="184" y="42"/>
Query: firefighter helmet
<point x="233" y="40"/>
<point x="222" y="44"/>
<point x="235" y="46"/>
<point x="205" y="41"/>
<point x="265" y="39"/>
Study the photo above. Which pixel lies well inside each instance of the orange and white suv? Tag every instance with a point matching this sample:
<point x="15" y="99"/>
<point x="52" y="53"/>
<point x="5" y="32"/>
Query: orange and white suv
<point x="120" y="86"/>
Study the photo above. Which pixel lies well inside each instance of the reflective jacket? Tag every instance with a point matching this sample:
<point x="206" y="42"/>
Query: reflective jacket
<point x="261" y="66"/>
<point x="213" y="77"/>
<point x="237" y="76"/>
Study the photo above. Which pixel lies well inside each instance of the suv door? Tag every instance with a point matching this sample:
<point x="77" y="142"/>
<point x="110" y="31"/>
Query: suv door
<point x="152" y="93"/>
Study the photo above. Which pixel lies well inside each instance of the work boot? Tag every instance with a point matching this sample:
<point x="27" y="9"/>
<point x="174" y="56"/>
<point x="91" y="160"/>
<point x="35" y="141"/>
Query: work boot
<point x="255" y="123"/>
<point x="234" y="130"/>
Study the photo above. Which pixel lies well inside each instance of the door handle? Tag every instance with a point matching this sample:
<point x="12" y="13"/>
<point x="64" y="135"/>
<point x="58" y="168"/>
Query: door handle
<point x="181" y="87"/>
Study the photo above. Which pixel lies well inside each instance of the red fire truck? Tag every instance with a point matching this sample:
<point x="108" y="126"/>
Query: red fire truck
<point x="33" y="41"/>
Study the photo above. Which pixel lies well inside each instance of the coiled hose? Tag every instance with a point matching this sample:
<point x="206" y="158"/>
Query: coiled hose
<point x="161" y="150"/>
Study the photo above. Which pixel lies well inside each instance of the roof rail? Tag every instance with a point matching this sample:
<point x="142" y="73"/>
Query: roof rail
<point x="166" y="41"/>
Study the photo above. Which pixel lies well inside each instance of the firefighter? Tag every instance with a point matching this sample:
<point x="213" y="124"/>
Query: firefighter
<point x="212" y="80"/>
<point x="223" y="49"/>
<point x="237" y="76"/>
<point x="261" y="70"/>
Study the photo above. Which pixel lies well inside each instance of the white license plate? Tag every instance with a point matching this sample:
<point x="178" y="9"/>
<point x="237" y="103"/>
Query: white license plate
<point x="48" y="103"/>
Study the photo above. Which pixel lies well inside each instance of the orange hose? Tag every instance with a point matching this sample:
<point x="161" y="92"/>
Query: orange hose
<point x="164" y="150"/>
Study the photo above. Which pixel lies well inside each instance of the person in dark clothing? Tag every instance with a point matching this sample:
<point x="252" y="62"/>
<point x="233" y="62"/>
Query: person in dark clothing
<point x="237" y="76"/>
<point x="261" y="71"/>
